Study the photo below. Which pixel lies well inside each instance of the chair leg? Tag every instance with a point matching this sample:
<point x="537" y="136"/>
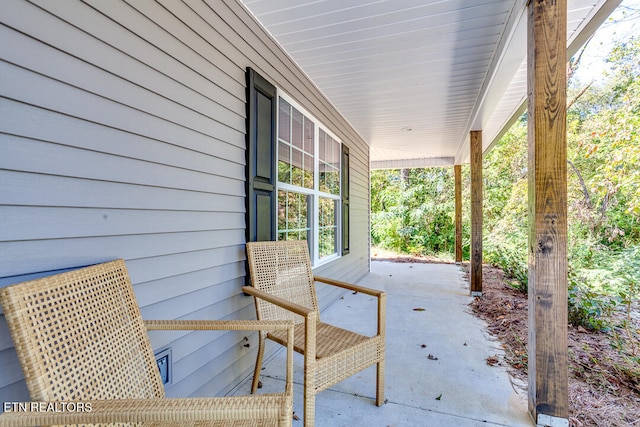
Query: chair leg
<point x="380" y="384"/>
<point x="309" y="388"/>
<point x="258" y="368"/>
<point x="309" y="406"/>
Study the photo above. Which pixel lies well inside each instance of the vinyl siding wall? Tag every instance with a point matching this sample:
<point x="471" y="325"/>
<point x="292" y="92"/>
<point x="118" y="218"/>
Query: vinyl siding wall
<point x="122" y="135"/>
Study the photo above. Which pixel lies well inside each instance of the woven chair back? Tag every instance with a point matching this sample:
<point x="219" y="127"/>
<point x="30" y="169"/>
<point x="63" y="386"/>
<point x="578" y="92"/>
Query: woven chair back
<point x="79" y="336"/>
<point x="282" y="269"/>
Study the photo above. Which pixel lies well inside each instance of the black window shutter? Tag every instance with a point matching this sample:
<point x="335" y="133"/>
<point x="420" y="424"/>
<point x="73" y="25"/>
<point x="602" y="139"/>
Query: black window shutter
<point x="261" y="204"/>
<point x="345" y="199"/>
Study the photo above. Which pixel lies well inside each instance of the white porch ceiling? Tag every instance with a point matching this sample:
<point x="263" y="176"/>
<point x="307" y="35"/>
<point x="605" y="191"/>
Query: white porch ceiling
<point x="414" y="77"/>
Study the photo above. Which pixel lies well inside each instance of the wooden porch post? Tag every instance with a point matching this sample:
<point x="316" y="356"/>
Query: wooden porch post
<point x="476" y="213"/>
<point x="548" y="376"/>
<point x="457" y="173"/>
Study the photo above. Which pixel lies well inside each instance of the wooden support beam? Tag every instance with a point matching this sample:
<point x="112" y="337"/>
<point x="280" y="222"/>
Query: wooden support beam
<point x="457" y="173"/>
<point x="476" y="213"/>
<point x="546" y="75"/>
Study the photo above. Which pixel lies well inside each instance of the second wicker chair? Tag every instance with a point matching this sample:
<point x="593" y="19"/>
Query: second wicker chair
<point x="284" y="288"/>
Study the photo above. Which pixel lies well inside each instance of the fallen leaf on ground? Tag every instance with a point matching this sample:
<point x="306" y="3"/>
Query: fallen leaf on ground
<point x="431" y="357"/>
<point x="418" y="309"/>
<point x="439" y="397"/>
<point x="423" y="346"/>
<point x="492" y="360"/>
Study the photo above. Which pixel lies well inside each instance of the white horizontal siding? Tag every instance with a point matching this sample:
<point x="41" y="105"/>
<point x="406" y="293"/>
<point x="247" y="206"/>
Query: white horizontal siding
<point x="27" y="155"/>
<point x="32" y="88"/>
<point x="154" y="59"/>
<point x="185" y="150"/>
<point x="84" y="251"/>
<point x="181" y="228"/>
<point x="122" y="135"/>
<point x="193" y="281"/>
<point x="186" y="342"/>
<point x="21" y="189"/>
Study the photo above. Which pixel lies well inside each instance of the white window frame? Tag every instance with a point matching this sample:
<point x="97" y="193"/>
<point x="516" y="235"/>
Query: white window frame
<point x="315" y="193"/>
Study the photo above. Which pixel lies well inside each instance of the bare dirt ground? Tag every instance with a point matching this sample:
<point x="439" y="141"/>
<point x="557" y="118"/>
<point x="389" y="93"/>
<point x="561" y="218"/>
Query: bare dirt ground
<point x="604" y="381"/>
<point x="379" y="254"/>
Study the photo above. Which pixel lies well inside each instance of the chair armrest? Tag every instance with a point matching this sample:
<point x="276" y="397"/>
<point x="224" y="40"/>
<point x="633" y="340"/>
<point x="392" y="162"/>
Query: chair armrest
<point x="295" y="308"/>
<point x="147" y="410"/>
<point x="381" y="295"/>
<point x="345" y="285"/>
<point x="232" y="325"/>
<point x="180" y="410"/>
<point x="218" y="325"/>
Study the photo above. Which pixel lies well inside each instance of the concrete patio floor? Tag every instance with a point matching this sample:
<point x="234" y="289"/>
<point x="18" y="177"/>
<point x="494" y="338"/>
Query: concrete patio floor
<point x="458" y="389"/>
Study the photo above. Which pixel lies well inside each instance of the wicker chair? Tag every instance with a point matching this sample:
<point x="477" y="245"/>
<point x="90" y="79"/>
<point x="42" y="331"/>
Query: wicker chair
<point x="80" y="337"/>
<point x="284" y="288"/>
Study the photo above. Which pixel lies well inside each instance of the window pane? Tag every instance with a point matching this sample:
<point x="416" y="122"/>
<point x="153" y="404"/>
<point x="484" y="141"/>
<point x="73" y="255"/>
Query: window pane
<point x="333" y="182"/>
<point x="308" y="136"/>
<point x="327" y="243"/>
<point x="323" y="177"/>
<point x="295" y="147"/>
<point x="284" y="163"/>
<point x="308" y="172"/>
<point x="296" y="167"/>
<point x="302" y="210"/>
<point x="329" y="168"/>
<point x="296" y="129"/>
<point x="293" y="212"/>
<point x="327" y="228"/>
<point x="329" y="179"/>
<point x="331" y="154"/>
<point x="326" y="153"/>
<point x="284" y="120"/>
<point x="321" y="146"/>
<point x="282" y="210"/>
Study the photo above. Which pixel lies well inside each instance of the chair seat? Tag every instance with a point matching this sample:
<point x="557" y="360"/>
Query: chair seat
<point x="329" y="339"/>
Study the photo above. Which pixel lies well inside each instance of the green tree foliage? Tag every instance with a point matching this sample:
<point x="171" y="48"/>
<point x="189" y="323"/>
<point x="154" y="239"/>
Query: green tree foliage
<point x="412" y="211"/>
<point x="506" y="204"/>
<point x="609" y="138"/>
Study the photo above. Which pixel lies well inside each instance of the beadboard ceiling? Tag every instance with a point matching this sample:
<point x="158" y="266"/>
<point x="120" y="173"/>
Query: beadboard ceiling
<point x="414" y="77"/>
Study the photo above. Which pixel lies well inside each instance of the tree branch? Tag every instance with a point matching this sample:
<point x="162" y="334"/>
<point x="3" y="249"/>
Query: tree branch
<point x="585" y="191"/>
<point x="572" y="64"/>
<point x="582" y="91"/>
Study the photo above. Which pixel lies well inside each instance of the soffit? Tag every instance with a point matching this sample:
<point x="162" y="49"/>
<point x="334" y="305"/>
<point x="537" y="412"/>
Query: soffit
<point x="413" y="77"/>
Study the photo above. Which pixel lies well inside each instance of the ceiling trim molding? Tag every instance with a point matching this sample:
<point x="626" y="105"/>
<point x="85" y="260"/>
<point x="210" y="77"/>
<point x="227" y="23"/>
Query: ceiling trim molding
<point x="424" y="162"/>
